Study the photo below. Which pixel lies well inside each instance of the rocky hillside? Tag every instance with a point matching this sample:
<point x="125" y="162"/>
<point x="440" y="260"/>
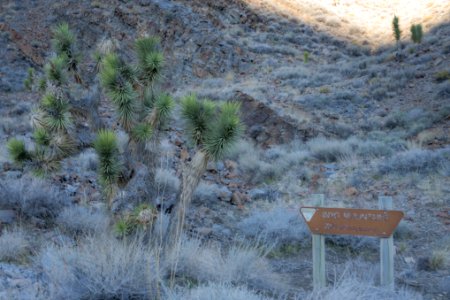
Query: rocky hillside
<point x="330" y="103"/>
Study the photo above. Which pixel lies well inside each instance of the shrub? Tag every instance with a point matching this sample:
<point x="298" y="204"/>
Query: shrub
<point x="82" y="220"/>
<point x="416" y="160"/>
<point x="278" y="225"/>
<point x="439" y="260"/>
<point x="217" y="291"/>
<point x="14" y="245"/>
<point x="101" y="267"/>
<point x="166" y="180"/>
<point x="442" y="76"/>
<point x="358" y="282"/>
<point x="238" y="265"/>
<point x="206" y="192"/>
<point x="32" y="197"/>
<point x="329" y="150"/>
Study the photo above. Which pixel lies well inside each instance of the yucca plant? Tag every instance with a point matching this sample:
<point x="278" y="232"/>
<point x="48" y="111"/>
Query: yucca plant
<point x="416" y="33"/>
<point x="17" y="151"/>
<point x="117" y="78"/>
<point x="150" y="59"/>
<point x="396" y="29"/>
<point x="158" y="109"/>
<point x="214" y="129"/>
<point x="41" y="137"/>
<point x="55" y="113"/>
<point x="123" y="227"/>
<point x="64" y="45"/>
<point x="109" y="161"/>
<point x="131" y="88"/>
<point x="55" y="70"/>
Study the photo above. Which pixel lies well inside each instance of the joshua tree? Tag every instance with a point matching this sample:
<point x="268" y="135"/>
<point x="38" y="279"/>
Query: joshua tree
<point x="131" y="87"/>
<point x="396" y="30"/>
<point x="213" y="130"/>
<point x="416" y="33"/>
<point x="52" y="119"/>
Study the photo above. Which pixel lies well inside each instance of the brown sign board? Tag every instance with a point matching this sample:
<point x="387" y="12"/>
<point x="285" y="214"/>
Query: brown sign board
<point x="367" y="222"/>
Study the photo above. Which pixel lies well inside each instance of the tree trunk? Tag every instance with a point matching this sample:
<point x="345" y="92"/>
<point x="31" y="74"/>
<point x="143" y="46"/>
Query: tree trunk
<point x="190" y="179"/>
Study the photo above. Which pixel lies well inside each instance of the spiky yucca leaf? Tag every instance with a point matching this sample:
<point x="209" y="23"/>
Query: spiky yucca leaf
<point x="164" y="104"/>
<point x="149" y="98"/>
<point x="106" y="143"/>
<point x="142" y="132"/>
<point x="56" y="115"/>
<point x="17" y="151"/>
<point x="198" y="116"/>
<point x="144" y="46"/>
<point x="123" y="227"/>
<point x="125" y="102"/>
<point x="115" y="77"/>
<point x="110" y="71"/>
<point x="41" y="136"/>
<point x="55" y="70"/>
<point x="150" y="68"/>
<point x="109" y="166"/>
<point x="114" y="72"/>
<point x="63" y="43"/>
<point x="63" y="39"/>
<point x="224" y="132"/>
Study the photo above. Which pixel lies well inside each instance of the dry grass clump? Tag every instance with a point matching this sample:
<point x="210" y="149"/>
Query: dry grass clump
<point x="14" y="246"/>
<point x="82" y="220"/>
<point x="216" y="291"/>
<point x="329" y="150"/>
<point x="358" y="281"/>
<point x="416" y="160"/>
<point x="166" y="180"/>
<point x="261" y="166"/>
<point x="32" y="197"/>
<point x="278" y="225"/>
<point x="102" y="267"/>
<point x="241" y="265"/>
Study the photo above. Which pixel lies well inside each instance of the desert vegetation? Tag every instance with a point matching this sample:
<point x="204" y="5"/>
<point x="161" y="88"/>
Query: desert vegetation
<point x="162" y="149"/>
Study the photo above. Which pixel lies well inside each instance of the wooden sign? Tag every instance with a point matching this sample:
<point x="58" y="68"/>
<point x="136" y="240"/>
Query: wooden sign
<point x="366" y="222"/>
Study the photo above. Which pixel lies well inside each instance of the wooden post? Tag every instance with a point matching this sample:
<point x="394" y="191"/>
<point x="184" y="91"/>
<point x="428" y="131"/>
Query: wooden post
<point x="386" y="250"/>
<point x="318" y="248"/>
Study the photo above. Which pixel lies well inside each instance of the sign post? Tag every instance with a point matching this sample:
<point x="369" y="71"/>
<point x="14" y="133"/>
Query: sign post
<point x="364" y="222"/>
<point x="318" y="244"/>
<point x="386" y="251"/>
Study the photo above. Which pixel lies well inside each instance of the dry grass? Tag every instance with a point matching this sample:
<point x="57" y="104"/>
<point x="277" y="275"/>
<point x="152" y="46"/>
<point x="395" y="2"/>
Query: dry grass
<point x="14" y="245"/>
<point x="101" y="267"/>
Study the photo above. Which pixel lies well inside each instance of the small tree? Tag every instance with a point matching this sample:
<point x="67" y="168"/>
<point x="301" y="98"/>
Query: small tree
<point x="416" y="33"/>
<point x="396" y="30"/>
<point x="213" y="129"/>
